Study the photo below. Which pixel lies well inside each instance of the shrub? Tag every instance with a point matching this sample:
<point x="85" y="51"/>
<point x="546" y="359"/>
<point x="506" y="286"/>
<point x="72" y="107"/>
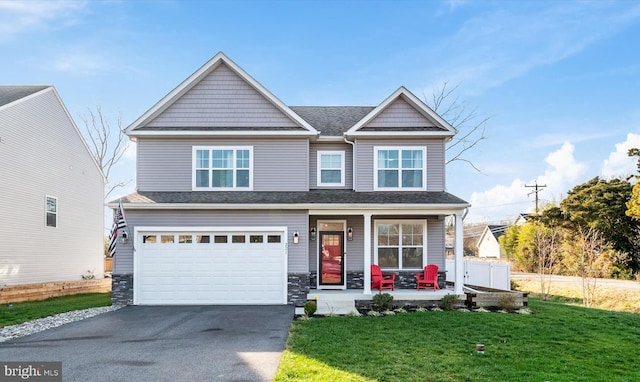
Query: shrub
<point x="310" y="308"/>
<point x="507" y="302"/>
<point x="449" y="302"/>
<point x="383" y="301"/>
<point x="514" y="285"/>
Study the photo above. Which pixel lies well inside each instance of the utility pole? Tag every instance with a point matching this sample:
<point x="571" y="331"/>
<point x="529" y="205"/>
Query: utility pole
<point x="537" y="188"/>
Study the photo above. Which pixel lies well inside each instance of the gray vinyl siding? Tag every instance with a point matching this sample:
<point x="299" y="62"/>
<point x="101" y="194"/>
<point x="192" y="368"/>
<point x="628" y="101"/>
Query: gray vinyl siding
<point x="364" y="157"/>
<point x="296" y="221"/>
<point x="278" y="164"/>
<point x="400" y="114"/>
<point x="42" y="154"/>
<point x="313" y="163"/>
<point x="222" y="99"/>
<point x="354" y="248"/>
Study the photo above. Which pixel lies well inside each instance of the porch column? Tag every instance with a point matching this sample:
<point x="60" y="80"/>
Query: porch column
<point x="367" y="253"/>
<point x="458" y="256"/>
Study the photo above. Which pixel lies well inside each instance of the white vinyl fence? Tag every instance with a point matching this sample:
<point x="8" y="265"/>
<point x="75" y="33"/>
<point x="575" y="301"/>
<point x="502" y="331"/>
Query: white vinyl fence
<point x="489" y="274"/>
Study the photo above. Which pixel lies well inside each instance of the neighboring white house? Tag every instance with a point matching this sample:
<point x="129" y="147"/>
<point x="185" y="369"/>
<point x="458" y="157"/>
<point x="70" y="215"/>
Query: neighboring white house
<point x="488" y="244"/>
<point x="51" y="191"/>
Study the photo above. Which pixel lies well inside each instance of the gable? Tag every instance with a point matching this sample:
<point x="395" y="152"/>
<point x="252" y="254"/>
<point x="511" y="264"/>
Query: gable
<point x="399" y="114"/>
<point x="222" y="99"/>
<point x="402" y="114"/>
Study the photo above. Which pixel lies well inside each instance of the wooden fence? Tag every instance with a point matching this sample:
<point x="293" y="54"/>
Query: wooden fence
<point x="31" y="292"/>
<point x="108" y="264"/>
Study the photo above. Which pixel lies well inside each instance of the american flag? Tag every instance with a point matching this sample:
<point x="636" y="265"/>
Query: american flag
<point x="119" y="223"/>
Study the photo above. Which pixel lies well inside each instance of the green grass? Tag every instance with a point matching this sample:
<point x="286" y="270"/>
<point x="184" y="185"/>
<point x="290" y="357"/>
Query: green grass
<point x="30" y="310"/>
<point x="557" y="343"/>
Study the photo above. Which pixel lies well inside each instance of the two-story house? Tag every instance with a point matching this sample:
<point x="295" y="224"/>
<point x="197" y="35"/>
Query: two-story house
<point x="242" y="199"/>
<point x="51" y="192"/>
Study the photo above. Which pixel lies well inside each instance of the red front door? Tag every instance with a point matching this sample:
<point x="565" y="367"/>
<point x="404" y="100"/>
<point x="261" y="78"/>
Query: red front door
<point x="331" y="258"/>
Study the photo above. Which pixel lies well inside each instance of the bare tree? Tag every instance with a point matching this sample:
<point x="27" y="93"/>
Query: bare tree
<point x="107" y="146"/>
<point x="590" y="268"/>
<point x="468" y="121"/>
<point x="547" y="244"/>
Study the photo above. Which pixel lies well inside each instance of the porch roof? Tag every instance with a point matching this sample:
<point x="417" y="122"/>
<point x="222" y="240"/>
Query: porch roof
<point x="313" y="199"/>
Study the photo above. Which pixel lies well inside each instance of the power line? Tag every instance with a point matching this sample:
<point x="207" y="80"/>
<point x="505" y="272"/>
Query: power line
<point x="537" y="188"/>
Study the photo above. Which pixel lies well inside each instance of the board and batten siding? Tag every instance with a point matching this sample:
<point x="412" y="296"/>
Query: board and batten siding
<point x="278" y="164"/>
<point x="42" y="154"/>
<point x="364" y="157"/>
<point x="222" y="99"/>
<point x="400" y="114"/>
<point x="296" y="221"/>
<point x="313" y="163"/>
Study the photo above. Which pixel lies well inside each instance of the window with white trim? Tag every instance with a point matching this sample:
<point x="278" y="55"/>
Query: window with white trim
<point x="223" y="168"/>
<point x="400" y="244"/>
<point x="51" y="211"/>
<point x="400" y="168"/>
<point x="330" y="168"/>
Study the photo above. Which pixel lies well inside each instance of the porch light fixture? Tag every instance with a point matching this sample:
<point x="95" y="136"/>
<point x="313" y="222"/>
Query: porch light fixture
<point x="124" y="237"/>
<point x="296" y="237"/>
<point x="313" y="233"/>
<point x="349" y="233"/>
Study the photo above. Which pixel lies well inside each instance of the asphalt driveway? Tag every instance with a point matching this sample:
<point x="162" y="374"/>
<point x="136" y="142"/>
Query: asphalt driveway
<point x="163" y="343"/>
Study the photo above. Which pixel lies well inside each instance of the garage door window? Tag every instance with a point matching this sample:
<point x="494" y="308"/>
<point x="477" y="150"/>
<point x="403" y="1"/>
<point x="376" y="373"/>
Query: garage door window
<point x="203" y="239"/>
<point x="149" y="239"/>
<point x="274" y="239"/>
<point x="220" y="239"/>
<point x="166" y="239"/>
<point x="238" y="239"/>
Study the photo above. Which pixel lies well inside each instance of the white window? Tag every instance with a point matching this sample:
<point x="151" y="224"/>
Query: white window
<point x="400" y="168"/>
<point x="330" y="168"/>
<point x="223" y="168"/>
<point x="400" y="244"/>
<point x="51" y="211"/>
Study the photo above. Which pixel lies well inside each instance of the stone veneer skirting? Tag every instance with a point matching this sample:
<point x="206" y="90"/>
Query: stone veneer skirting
<point x="122" y="289"/>
<point x="404" y="279"/>
<point x="297" y="288"/>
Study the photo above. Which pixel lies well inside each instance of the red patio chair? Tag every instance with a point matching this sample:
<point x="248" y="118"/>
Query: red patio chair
<point x="428" y="278"/>
<point x="382" y="280"/>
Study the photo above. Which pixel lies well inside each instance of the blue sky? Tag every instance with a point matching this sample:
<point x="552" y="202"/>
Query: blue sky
<point x="559" y="79"/>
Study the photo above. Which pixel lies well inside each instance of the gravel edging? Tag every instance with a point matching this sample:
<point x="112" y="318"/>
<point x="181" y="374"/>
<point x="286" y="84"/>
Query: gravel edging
<point x="40" y="324"/>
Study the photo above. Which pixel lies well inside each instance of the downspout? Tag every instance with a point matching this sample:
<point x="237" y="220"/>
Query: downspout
<point x="353" y="161"/>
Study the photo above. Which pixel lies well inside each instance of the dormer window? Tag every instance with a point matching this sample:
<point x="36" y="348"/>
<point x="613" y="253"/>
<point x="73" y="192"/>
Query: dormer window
<point x="400" y="168"/>
<point x="222" y="168"/>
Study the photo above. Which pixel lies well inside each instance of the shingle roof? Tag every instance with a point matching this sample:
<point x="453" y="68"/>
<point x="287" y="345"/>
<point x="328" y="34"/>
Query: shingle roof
<point x="332" y="197"/>
<point x="332" y="120"/>
<point x="9" y="94"/>
<point x="497" y="230"/>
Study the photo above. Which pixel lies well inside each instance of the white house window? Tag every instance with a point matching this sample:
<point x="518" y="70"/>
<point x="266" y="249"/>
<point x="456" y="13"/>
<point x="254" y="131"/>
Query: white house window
<point x="51" y="211"/>
<point x="330" y="168"/>
<point x="400" y="168"/>
<point x="222" y="168"/>
<point x="401" y="244"/>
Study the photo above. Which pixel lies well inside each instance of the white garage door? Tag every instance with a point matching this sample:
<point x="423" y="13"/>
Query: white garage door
<point x="243" y="266"/>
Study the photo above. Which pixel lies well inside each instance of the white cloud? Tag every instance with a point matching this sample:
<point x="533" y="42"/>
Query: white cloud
<point x="17" y="17"/>
<point x="619" y="164"/>
<point x="506" y="202"/>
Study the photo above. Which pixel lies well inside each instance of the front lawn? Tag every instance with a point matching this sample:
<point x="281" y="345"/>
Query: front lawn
<point x="11" y="314"/>
<point x="557" y="343"/>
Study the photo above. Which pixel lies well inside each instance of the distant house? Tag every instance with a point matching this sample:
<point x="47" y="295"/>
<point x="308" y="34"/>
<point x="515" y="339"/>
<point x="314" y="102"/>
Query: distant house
<point x="521" y="219"/>
<point x="488" y="244"/>
<point x="51" y="191"/>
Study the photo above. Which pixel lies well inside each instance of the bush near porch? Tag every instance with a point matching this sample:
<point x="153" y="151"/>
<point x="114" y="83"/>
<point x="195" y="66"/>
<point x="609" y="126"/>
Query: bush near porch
<point x="557" y="343"/>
